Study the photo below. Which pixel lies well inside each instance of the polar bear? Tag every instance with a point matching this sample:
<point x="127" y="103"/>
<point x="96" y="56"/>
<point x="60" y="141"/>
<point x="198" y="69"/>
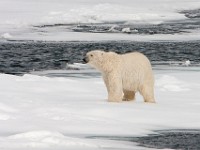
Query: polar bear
<point x="124" y="74"/>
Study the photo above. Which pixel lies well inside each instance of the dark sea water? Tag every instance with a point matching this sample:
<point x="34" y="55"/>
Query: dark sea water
<point x="167" y="139"/>
<point x="23" y="57"/>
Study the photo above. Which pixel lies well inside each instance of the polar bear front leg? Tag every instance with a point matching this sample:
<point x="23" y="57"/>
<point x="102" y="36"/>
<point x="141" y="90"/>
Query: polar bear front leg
<point x="114" y="87"/>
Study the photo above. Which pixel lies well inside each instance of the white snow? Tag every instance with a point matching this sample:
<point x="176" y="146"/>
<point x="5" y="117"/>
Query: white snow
<point x="6" y="36"/>
<point x="172" y="84"/>
<point x="18" y="18"/>
<point x="45" y="139"/>
<point x="40" y="112"/>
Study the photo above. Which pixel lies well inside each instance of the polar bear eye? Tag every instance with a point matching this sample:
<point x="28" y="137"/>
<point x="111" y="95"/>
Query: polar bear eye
<point x="91" y="55"/>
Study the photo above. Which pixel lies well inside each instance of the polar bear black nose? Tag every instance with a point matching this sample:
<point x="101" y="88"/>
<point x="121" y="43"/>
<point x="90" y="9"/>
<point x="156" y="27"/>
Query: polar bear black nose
<point x="85" y="60"/>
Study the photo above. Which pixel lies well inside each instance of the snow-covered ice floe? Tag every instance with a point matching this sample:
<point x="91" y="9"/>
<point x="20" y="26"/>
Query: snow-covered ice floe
<point x="40" y="112"/>
<point x="22" y="19"/>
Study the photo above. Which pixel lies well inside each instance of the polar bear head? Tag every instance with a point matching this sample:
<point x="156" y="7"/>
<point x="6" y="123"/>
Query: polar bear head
<point x="102" y="61"/>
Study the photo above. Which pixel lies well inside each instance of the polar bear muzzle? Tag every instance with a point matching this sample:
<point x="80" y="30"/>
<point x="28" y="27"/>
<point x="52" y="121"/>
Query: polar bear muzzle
<point x="86" y="60"/>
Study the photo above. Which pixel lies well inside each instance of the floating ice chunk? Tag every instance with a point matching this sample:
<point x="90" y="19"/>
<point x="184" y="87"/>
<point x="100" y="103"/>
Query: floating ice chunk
<point x="126" y="30"/>
<point x="78" y="66"/>
<point x="6" y="36"/>
<point x="187" y="63"/>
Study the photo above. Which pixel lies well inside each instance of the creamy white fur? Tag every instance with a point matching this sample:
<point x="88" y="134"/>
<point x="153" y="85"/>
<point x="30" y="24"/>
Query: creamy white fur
<point x="124" y="74"/>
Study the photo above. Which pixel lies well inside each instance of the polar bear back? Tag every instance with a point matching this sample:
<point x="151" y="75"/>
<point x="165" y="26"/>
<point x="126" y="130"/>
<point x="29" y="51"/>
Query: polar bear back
<point x="136" y="70"/>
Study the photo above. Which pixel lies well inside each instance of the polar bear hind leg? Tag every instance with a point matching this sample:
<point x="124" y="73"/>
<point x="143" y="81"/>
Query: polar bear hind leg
<point x="148" y="93"/>
<point x="128" y="95"/>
